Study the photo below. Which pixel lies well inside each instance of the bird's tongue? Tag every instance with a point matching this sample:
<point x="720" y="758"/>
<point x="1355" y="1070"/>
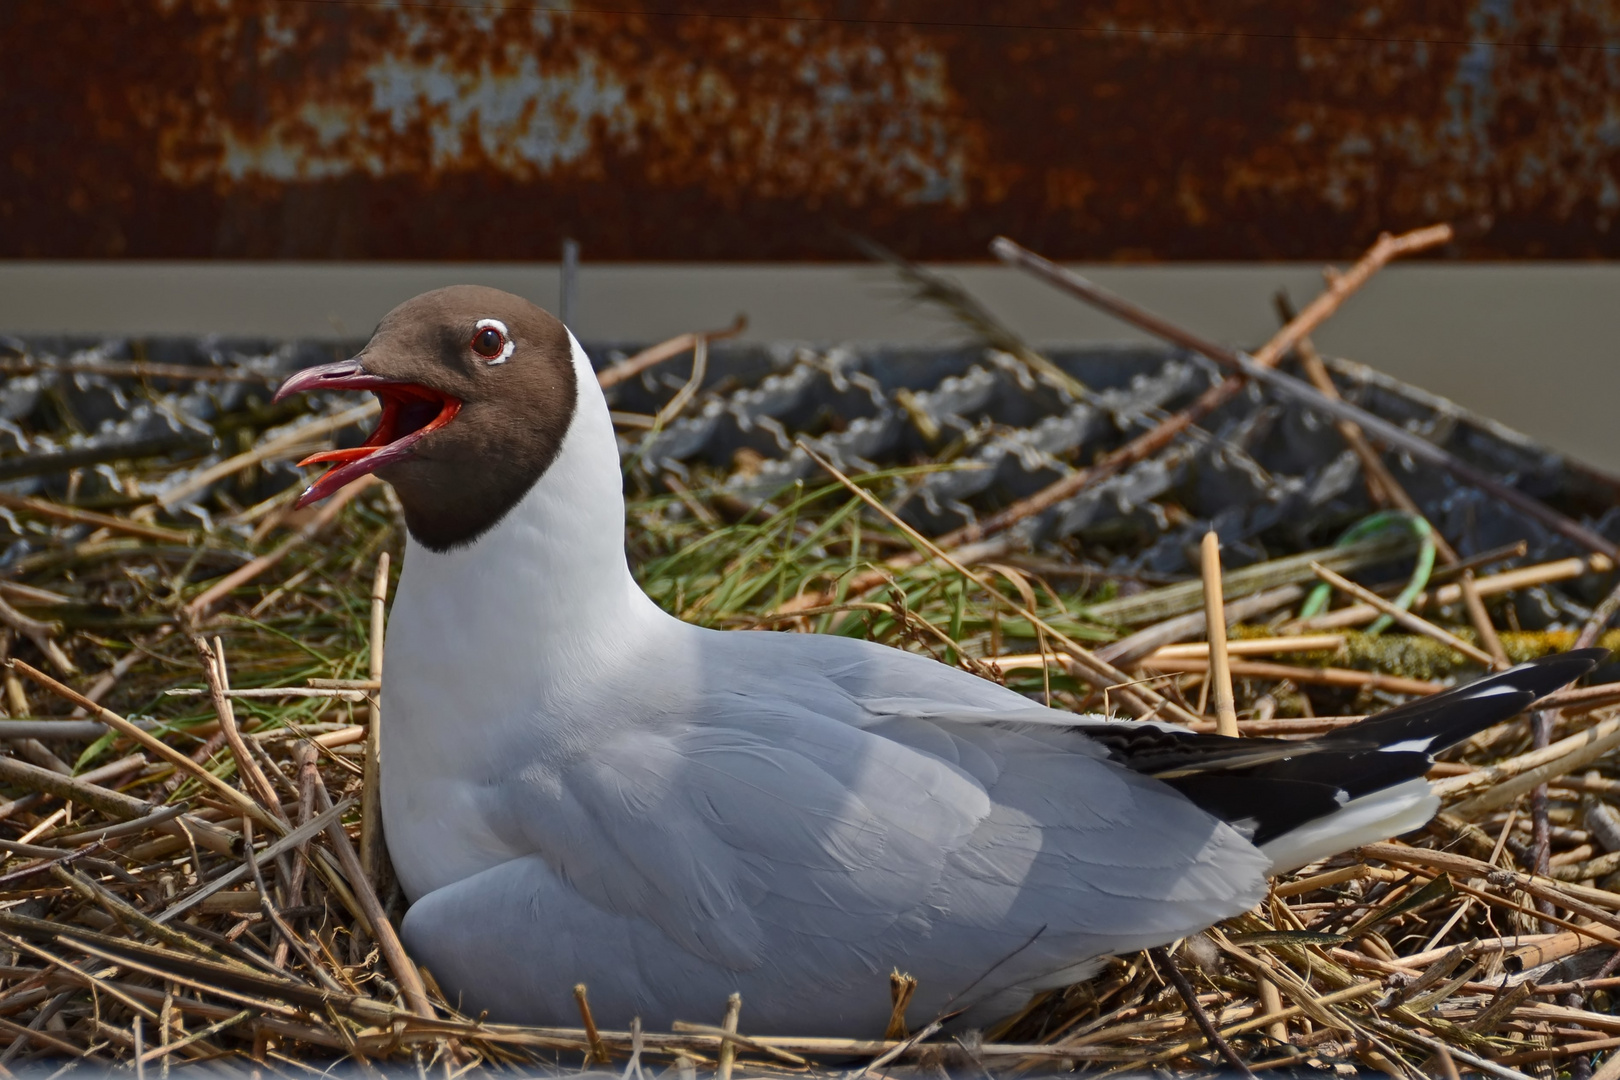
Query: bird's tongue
<point x="408" y="413"/>
<point x="354" y="453"/>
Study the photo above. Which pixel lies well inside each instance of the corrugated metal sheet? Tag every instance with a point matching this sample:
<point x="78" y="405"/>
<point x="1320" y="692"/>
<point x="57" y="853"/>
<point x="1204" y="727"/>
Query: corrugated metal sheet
<point x="1147" y="129"/>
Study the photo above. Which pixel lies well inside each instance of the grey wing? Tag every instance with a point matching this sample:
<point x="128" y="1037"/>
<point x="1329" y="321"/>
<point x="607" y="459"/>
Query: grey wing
<point x="778" y="846"/>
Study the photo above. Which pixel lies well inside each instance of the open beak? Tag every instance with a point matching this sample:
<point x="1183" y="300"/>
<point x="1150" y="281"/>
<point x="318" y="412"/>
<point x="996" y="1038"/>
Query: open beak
<point x="409" y="412"/>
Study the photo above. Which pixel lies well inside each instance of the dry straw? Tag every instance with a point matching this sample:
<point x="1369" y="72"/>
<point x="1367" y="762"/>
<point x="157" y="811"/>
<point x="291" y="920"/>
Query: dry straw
<point x="200" y="877"/>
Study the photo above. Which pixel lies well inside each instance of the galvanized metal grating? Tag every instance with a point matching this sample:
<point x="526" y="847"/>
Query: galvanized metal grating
<point x="1269" y="478"/>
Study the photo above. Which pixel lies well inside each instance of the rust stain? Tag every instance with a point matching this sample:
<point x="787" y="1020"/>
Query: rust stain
<point x="1142" y="130"/>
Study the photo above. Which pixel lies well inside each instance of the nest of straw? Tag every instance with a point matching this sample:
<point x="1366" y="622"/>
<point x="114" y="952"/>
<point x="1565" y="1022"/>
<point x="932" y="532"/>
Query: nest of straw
<point x="193" y="872"/>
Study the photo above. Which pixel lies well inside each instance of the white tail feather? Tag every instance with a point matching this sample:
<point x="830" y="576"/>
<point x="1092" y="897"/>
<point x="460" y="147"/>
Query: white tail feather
<point x="1377" y="816"/>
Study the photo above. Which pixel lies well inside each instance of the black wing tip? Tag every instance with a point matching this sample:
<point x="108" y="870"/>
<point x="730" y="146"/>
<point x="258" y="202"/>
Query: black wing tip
<point x="1447" y="718"/>
<point x="1271" y="798"/>
<point x="1540" y="676"/>
<point x="1591" y="657"/>
<point x="1564" y="667"/>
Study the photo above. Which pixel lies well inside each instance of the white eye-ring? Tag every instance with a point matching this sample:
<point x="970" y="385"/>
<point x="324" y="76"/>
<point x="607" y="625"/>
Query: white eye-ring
<point x="491" y="341"/>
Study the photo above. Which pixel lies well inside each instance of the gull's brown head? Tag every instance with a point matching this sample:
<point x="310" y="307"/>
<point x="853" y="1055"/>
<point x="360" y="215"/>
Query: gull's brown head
<point x="477" y="389"/>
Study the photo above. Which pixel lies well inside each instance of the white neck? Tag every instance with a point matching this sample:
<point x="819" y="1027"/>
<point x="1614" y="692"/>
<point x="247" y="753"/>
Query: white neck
<point x="551" y="575"/>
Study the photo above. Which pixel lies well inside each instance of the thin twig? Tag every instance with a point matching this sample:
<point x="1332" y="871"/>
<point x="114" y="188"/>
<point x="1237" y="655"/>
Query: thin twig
<point x="284" y="446"/>
<point x="1140" y="699"/>
<point x="665" y="350"/>
<point x="213" y="664"/>
<point x="1404" y="617"/>
<point x="1259" y="369"/>
<point x="251" y="570"/>
<point x="1212" y="1034"/>
<point x="405" y="973"/>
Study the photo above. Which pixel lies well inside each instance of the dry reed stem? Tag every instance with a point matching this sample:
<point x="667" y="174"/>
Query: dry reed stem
<point x="728" y="1049"/>
<point x="1220" y="672"/>
<point x="1317" y="312"/>
<point x="146" y="739"/>
<point x="1167" y="633"/>
<point x="1385" y="489"/>
<point x="598" y="1053"/>
<point x="1582" y="750"/>
<point x="1507" y="581"/>
<point x="1160" y="436"/>
<point x="214" y="671"/>
<point x="371" y="849"/>
<point x="42" y="634"/>
<point x="1325" y="676"/>
<point x="1392" y="436"/>
<point x="1522" y="763"/>
<point x="297" y="1003"/>
<point x="1195" y="650"/>
<point x="74" y="516"/>
<point x="901" y="989"/>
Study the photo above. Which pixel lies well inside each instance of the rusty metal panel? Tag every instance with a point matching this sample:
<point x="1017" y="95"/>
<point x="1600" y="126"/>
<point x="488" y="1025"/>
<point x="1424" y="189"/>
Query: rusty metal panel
<point x="1139" y="129"/>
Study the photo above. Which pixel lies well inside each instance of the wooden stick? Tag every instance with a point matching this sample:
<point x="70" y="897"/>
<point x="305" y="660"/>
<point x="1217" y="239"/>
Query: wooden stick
<point x="1404" y="617"/>
<point x="1220" y="673"/>
<point x="1190" y="996"/>
<point x="371" y="848"/>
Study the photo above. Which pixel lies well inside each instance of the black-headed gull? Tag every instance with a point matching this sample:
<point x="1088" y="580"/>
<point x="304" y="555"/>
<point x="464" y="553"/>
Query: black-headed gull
<point x="579" y="787"/>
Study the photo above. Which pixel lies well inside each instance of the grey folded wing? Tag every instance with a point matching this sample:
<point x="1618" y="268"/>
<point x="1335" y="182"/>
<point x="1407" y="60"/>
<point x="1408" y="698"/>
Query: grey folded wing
<point x="752" y="842"/>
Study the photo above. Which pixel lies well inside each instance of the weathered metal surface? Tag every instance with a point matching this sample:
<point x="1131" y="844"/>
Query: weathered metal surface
<point x="1138" y="129"/>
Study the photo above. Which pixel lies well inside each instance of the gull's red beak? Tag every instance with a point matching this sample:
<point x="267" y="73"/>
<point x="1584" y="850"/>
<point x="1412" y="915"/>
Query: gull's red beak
<point x="409" y="412"/>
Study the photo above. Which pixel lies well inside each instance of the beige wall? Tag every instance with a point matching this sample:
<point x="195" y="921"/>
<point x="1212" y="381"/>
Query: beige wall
<point x="1534" y="345"/>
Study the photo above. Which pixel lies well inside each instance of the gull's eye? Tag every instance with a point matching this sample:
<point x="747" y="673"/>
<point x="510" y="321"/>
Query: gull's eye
<point x="489" y="342"/>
